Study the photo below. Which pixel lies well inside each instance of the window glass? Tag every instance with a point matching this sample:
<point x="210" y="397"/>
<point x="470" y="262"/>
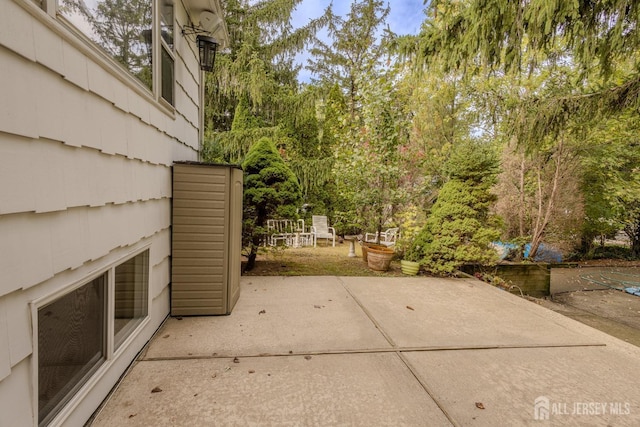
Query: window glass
<point x="166" y="22"/>
<point x="121" y="27"/>
<point x="131" y="295"/>
<point x="167" y="60"/>
<point x="71" y="345"/>
<point x="167" y="76"/>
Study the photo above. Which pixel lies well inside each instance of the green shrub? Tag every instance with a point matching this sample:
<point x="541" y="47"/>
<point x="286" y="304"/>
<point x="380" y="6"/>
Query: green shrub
<point x="460" y="227"/>
<point x="271" y="190"/>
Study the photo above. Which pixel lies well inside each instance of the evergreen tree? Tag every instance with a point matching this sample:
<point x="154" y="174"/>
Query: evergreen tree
<point x="232" y="146"/>
<point x="611" y="182"/>
<point x="243" y="119"/>
<point x="601" y="39"/>
<point x="258" y="66"/>
<point x="254" y="93"/>
<point x="271" y="190"/>
<point x="354" y="51"/>
<point x="460" y="226"/>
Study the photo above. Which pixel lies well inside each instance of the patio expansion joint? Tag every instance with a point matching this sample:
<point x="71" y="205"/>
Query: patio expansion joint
<point x="368" y="314"/>
<point x="401" y="356"/>
<point x="398" y="350"/>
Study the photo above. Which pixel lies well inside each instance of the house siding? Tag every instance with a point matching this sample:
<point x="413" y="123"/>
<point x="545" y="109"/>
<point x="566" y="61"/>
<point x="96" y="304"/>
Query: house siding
<point x="85" y="181"/>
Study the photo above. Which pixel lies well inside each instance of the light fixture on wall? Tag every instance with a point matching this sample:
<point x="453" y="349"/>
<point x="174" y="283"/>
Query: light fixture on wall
<point x="207" y="47"/>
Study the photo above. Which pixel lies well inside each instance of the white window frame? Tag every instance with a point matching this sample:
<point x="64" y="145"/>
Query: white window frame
<point x="160" y="44"/>
<point x="111" y="355"/>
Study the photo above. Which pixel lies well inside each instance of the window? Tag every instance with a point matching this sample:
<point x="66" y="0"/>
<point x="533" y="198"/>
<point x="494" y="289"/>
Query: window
<point x="125" y="31"/>
<point x="71" y="345"/>
<point x="167" y="76"/>
<point x="121" y="28"/>
<point x="131" y="296"/>
<point x="166" y="41"/>
<point x="166" y="23"/>
<point x="72" y="338"/>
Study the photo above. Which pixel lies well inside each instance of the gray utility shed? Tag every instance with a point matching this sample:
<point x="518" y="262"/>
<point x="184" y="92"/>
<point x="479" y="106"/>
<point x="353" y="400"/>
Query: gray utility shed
<point x="206" y="239"/>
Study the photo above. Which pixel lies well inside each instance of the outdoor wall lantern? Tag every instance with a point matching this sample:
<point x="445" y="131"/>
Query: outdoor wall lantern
<point x="207" y="47"/>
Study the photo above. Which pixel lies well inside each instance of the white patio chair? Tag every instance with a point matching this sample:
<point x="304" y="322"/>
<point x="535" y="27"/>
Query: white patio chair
<point x="320" y="229"/>
<point x="280" y="230"/>
<point x="303" y="236"/>
<point x="387" y="238"/>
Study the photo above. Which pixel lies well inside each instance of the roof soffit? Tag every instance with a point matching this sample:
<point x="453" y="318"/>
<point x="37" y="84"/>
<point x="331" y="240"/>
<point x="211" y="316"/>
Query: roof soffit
<point x="196" y="7"/>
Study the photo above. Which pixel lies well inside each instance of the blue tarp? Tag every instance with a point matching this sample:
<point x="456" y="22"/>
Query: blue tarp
<point x="545" y="253"/>
<point x="634" y="290"/>
<point x="503" y="249"/>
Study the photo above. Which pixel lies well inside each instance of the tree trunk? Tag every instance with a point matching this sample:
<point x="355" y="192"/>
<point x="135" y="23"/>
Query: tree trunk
<point x="544" y="212"/>
<point x="521" y="210"/>
<point x="634" y="236"/>
<point x="586" y="244"/>
<point x="251" y="259"/>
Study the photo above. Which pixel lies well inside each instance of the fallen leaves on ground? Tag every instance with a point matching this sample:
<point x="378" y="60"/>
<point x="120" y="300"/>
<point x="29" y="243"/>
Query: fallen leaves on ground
<point x="320" y="261"/>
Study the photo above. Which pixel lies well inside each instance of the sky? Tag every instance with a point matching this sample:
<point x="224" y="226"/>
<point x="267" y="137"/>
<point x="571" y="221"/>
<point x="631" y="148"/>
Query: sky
<point x="405" y="18"/>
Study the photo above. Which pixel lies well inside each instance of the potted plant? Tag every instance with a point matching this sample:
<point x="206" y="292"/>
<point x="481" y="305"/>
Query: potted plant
<point x="411" y="220"/>
<point x="379" y="257"/>
<point x="411" y="258"/>
<point x="410" y="268"/>
<point x="364" y="246"/>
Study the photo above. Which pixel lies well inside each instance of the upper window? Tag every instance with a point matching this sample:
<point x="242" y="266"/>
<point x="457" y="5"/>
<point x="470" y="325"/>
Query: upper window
<point x="121" y="27"/>
<point x="166" y="41"/>
<point x="166" y="23"/>
<point x="125" y="30"/>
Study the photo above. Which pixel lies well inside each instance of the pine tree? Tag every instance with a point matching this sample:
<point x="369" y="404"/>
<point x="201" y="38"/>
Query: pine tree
<point x="460" y="226"/>
<point x="258" y="66"/>
<point x="601" y="38"/>
<point x="271" y="190"/>
<point x="354" y="51"/>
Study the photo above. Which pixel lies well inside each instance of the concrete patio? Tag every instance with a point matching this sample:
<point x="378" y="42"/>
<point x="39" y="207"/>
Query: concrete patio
<point x="378" y="351"/>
